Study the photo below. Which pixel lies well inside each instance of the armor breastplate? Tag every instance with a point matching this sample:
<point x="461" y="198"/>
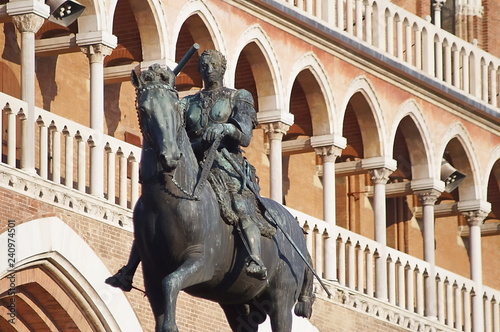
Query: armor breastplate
<point x="201" y="112"/>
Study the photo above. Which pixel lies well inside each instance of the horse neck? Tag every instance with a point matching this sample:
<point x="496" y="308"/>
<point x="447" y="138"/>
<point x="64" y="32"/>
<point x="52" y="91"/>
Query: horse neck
<point x="183" y="179"/>
<point x="186" y="173"/>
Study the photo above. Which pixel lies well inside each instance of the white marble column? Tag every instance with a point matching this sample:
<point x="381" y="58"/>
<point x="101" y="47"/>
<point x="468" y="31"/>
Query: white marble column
<point x="329" y="153"/>
<point x="275" y="132"/>
<point x="380" y="176"/>
<point x="96" y="54"/>
<point x="437" y="4"/>
<point x="428" y="198"/>
<point x="28" y="17"/>
<point x="380" y="168"/>
<point x="475" y="219"/>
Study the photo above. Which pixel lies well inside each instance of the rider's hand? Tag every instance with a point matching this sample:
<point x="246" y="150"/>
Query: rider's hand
<point x="215" y="130"/>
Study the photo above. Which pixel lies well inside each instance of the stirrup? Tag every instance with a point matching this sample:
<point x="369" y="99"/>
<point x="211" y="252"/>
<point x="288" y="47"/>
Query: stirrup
<point x="120" y="280"/>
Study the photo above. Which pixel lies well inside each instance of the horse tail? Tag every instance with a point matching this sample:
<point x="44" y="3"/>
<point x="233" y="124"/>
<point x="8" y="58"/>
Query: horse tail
<point x="303" y="308"/>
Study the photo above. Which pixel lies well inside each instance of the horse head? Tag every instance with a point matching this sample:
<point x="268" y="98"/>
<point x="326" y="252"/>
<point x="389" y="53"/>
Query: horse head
<point x="159" y="116"/>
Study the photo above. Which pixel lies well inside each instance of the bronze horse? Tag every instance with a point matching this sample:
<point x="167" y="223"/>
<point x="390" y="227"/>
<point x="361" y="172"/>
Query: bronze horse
<point x="185" y="245"/>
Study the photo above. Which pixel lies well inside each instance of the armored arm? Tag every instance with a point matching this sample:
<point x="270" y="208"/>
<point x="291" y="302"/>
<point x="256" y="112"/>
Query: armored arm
<point x="243" y="119"/>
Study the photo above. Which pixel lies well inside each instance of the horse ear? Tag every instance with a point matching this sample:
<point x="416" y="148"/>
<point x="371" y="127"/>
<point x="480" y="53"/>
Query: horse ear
<point x="136" y="81"/>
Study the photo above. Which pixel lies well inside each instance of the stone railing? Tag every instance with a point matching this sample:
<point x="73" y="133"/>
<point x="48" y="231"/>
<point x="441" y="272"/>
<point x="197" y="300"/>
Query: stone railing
<point x="64" y="151"/>
<point x="409" y="40"/>
<point x="356" y="267"/>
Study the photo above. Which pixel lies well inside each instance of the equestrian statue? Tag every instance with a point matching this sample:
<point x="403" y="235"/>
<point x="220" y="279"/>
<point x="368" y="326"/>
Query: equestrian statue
<point x="200" y="224"/>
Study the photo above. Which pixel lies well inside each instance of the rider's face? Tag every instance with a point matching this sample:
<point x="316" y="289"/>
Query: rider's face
<point x="211" y="69"/>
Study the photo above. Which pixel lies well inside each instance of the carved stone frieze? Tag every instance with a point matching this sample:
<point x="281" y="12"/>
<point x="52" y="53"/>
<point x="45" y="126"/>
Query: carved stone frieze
<point x="65" y="198"/>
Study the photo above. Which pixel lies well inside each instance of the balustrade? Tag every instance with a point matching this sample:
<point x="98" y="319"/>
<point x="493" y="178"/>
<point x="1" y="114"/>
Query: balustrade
<point x="60" y="143"/>
<point x="357" y="269"/>
<point x="412" y="40"/>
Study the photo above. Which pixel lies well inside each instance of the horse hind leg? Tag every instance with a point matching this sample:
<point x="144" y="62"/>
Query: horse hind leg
<point x="303" y="308"/>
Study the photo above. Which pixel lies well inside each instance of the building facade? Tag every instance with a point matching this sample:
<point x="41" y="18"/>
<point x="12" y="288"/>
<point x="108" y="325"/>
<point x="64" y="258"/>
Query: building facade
<point x="361" y="105"/>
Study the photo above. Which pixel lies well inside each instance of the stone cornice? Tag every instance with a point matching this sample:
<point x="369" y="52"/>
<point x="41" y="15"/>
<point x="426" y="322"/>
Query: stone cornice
<point x="14" y="8"/>
<point x="66" y="198"/>
<point x="97" y="37"/>
<point x="275" y="116"/>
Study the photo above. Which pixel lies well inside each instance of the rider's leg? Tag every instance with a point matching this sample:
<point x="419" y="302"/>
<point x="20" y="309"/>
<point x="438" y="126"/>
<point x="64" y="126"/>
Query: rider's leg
<point x="252" y="236"/>
<point x="123" y="278"/>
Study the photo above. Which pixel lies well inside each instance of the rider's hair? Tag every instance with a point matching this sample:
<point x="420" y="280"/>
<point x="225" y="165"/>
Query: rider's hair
<point x="211" y="53"/>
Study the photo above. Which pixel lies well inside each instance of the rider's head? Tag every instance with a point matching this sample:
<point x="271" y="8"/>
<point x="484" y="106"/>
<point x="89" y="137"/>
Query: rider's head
<point x="212" y="66"/>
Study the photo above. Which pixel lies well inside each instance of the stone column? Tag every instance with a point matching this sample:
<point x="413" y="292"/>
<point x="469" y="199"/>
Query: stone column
<point x="96" y="54"/>
<point x="380" y="176"/>
<point x="275" y="124"/>
<point x="437" y="4"/>
<point x="428" y="198"/>
<point x="475" y="212"/>
<point x="275" y="132"/>
<point x="380" y="168"/>
<point x="329" y="147"/>
<point x="28" y="17"/>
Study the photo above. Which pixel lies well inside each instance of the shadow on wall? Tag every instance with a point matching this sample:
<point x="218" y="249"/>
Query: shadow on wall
<point x="112" y="112"/>
<point x="46" y="76"/>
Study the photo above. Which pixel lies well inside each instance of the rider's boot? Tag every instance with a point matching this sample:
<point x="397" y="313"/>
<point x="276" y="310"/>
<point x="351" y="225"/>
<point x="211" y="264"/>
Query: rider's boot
<point x="123" y="278"/>
<point x="255" y="267"/>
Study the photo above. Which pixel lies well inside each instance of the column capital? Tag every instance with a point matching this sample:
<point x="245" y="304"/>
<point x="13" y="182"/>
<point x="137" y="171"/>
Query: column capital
<point x="380" y="175"/>
<point x="96" y="52"/>
<point x="475" y="218"/>
<point x="329" y="153"/>
<point x="275" y="129"/>
<point x="437" y="4"/>
<point x="428" y="197"/>
<point x="475" y="211"/>
<point x="28" y="22"/>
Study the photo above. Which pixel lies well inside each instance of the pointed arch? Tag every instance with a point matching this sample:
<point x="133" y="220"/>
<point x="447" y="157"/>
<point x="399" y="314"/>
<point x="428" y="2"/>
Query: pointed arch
<point x="417" y="135"/>
<point x="323" y="118"/>
<point x="372" y="123"/>
<point x="199" y="9"/>
<point x="461" y="149"/>
<point x="75" y="266"/>
<point x="489" y="168"/>
<point x="269" y="79"/>
<point x="153" y="29"/>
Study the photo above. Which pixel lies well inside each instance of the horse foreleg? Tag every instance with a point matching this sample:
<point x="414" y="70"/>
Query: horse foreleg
<point x="191" y="272"/>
